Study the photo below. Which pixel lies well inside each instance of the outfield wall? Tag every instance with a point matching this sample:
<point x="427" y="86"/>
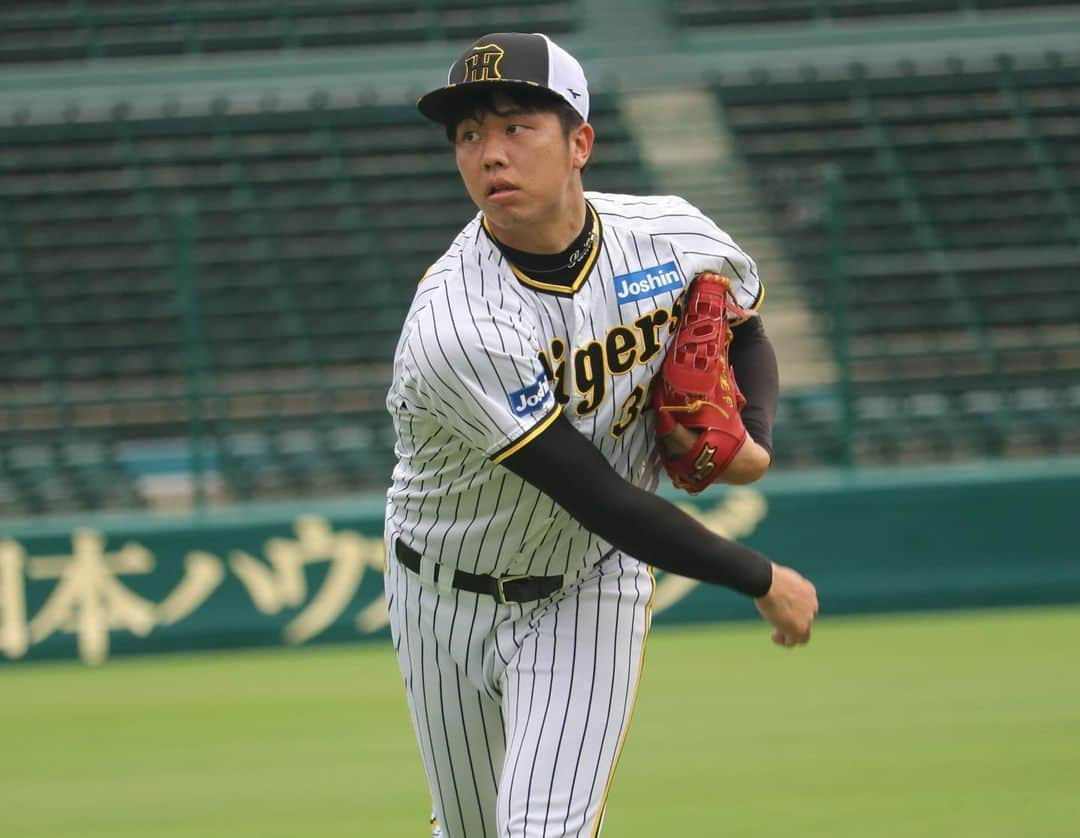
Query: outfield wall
<point x="976" y="535"/>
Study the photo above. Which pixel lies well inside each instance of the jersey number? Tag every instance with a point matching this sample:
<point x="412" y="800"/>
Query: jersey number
<point x="631" y="410"/>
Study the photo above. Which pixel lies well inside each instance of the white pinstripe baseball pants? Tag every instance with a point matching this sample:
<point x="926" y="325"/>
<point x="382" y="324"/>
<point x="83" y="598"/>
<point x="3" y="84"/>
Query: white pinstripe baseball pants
<point x="521" y="710"/>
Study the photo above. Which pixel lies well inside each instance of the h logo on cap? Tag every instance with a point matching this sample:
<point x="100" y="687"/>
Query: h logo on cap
<point x="483" y="64"/>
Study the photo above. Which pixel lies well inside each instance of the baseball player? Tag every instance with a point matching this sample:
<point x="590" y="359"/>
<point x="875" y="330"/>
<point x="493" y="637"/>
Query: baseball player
<point x="521" y="524"/>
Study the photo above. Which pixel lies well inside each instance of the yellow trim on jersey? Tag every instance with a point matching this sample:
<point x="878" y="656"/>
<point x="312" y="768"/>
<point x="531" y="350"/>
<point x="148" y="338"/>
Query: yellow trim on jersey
<point x="755" y="307"/>
<point x="532" y="434"/>
<point x="552" y="287"/>
<point x="633" y="704"/>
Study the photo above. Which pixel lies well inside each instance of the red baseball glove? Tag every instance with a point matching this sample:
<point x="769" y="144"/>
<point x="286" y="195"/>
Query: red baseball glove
<point x="696" y="387"/>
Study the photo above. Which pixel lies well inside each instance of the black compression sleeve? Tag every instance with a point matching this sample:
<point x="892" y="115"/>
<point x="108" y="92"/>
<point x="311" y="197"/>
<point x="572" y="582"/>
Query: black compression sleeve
<point x="753" y="360"/>
<point x="565" y="465"/>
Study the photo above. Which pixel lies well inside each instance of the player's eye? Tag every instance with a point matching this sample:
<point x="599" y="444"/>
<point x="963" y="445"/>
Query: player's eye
<point x="514" y="128"/>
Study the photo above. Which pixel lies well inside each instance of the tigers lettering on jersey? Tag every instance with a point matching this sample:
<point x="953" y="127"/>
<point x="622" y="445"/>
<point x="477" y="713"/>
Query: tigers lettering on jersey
<point x="466" y="394"/>
<point x="623" y="348"/>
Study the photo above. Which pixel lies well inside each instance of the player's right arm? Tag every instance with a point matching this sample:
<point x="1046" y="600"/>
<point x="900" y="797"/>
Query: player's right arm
<point x="473" y="367"/>
<point x="563" y="464"/>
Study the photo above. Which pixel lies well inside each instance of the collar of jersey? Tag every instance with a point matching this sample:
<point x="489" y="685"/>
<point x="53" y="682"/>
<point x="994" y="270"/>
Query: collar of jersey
<point x="558" y="287"/>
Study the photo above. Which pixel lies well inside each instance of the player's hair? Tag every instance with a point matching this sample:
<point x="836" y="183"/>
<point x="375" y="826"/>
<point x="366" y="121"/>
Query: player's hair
<point x="475" y="103"/>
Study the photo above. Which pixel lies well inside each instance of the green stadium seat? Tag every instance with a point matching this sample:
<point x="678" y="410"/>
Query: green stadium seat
<point x="53" y="31"/>
<point x="962" y="242"/>
<point x="724" y="13"/>
<point x="312" y="228"/>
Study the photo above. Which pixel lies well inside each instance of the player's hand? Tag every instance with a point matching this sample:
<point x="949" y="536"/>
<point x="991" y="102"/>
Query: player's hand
<point x="750" y="463"/>
<point x="790" y="606"/>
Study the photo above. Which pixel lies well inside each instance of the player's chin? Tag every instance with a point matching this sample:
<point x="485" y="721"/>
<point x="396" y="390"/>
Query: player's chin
<point x="506" y="214"/>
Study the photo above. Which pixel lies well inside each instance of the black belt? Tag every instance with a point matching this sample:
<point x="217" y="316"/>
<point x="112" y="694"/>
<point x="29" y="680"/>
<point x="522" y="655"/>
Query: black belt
<point x="504" y="589"/>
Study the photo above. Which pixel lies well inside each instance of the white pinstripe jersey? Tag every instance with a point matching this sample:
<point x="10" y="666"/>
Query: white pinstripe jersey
<point x="488" y="358"/>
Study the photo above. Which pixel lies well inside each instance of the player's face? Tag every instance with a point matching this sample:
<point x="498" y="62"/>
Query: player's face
<point x="524" y="173"/>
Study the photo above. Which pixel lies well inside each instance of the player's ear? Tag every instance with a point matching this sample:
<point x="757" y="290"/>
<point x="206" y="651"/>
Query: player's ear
<point x="581" y="143"/>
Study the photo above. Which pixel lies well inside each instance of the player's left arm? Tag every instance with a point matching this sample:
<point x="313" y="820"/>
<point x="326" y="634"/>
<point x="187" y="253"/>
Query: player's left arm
<point x="750" y="355"/>
<point x="753" y="362"/>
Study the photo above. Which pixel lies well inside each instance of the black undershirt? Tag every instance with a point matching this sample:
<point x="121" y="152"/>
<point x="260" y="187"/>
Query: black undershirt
<point x="567" y="467"/>
<point x="753" y="361"/>
<point x="555" y="268"/>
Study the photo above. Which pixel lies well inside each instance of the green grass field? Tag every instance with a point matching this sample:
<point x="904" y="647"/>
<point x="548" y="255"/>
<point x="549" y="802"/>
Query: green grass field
<point x="964" y="724"/>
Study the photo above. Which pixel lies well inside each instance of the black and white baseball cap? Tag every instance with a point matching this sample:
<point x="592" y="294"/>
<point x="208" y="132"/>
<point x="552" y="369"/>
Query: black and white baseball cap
<point x="511" y="58"/>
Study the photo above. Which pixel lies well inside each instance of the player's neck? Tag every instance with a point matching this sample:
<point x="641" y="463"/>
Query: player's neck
<point x="545" y="238"/>
<point x="566" y="262"/>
